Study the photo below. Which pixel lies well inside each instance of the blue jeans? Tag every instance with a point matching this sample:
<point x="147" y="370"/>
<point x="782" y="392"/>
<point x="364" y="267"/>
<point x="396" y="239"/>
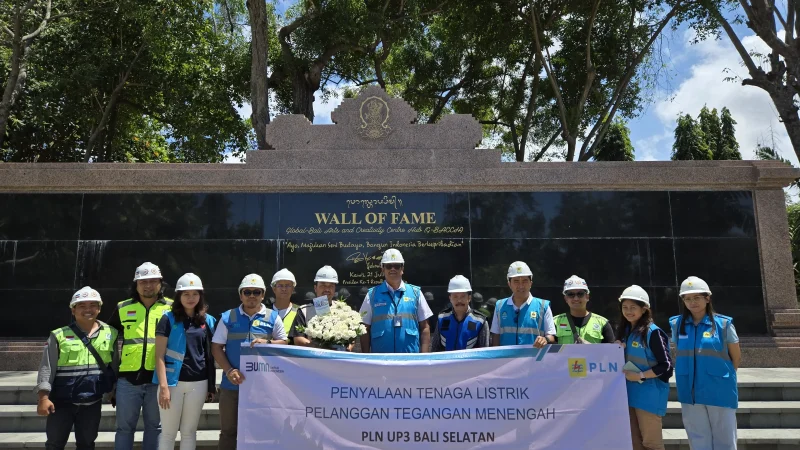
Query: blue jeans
<point x="131" y="399"/>
<point x="709" y="427"/>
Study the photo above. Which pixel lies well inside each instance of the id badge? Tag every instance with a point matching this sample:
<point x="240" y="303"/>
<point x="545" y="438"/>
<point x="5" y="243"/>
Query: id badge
<point x="398" y="321"/>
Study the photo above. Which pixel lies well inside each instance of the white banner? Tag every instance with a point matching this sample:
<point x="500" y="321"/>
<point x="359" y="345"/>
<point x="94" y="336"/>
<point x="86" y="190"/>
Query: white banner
<point x="560" y="397"/>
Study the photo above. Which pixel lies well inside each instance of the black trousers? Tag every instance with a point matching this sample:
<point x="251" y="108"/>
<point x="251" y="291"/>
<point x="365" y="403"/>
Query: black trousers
<point x="85" y="418"/>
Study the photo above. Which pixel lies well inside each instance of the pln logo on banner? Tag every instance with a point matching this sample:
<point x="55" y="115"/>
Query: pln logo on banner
<point x="579" y="368"/>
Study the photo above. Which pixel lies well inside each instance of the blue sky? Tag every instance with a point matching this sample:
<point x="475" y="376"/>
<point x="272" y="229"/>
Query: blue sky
<point x="694" y="76"/>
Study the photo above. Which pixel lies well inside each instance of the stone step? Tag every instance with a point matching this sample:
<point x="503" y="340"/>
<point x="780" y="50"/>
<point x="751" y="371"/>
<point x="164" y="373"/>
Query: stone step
<point x="763" y="415"/>
<point x="755" y="439"/>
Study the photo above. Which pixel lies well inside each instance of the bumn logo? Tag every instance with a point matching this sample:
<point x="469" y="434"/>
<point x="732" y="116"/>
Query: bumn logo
<point x="258" y="366"/>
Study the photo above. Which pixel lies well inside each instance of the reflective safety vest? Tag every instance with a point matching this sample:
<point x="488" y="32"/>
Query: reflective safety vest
<point x="78" y="374"/>
<point x="176" y="348"/>
<point x="387" y="308"/>
<point x="244" y="329"/>
<point x="650" y="395"/>
<point x="288" y="320"/>
<point x="139" y="333"/>
<point x="455" y="335"/>
<point x="590" y="333"/>
<point x="704" y="372"/>
<point x="523" y="326"/>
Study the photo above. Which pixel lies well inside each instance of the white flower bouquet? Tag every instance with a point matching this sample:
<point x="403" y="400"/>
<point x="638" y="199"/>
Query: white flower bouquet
<point x="337" y="329"/>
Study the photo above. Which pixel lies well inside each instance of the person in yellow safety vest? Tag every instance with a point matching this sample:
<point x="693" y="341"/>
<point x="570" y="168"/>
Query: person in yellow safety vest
<point x="522" y="319"/>
<point x="579" y="326"/>
<point x="71" y="380"/>
<point x="282" y="285"/>
<point x="325" y="282"/>
<point x="137" y="319"/>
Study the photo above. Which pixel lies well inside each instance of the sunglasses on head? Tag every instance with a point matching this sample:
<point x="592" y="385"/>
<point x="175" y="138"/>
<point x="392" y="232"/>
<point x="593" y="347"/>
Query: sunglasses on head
<point x="393" y="266"/>
<point x="254" y="292"/>
<point x="579" y="294"/>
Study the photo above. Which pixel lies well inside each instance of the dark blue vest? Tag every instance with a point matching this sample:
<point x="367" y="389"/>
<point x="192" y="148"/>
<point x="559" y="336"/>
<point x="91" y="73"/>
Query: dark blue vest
<point x="462" y="335"/>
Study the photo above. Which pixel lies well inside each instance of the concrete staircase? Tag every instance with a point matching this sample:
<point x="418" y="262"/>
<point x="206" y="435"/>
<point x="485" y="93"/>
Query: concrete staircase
<point x="768" y="415"/>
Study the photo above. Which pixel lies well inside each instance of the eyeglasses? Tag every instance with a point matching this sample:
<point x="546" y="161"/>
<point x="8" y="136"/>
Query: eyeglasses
<point x="393" y="266"/>
<point x="255" y="292"/>
<point x="283" y="286"/>
<point x="579" y="294"/>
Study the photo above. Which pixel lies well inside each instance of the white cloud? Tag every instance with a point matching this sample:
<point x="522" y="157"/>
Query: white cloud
<point x="647" y="149"/>
<point x="751" y="107"/>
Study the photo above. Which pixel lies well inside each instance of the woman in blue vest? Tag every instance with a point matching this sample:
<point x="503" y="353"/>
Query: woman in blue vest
<point x="459" y="327"/>
<point x="705" y="369"/>
<point x="185" y="371"/>
<point x="648" y="367"/>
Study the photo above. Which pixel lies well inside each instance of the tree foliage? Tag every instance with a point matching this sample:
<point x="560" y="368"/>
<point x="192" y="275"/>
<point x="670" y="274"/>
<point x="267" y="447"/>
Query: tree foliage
<point x="132" y="81"/>
<point x="690" y="141"/>
<point x="616" y="144"/>
<point x="161" y="80"/>
<point x="717" y="135"/>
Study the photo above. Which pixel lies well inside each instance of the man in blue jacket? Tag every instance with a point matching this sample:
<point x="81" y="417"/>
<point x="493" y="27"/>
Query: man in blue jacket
<point x="522" y="319"/>
<point x="460" y="327"/>
<point x="395" y="313"/>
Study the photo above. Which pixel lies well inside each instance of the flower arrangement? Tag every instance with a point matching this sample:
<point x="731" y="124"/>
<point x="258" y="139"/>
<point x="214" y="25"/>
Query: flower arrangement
<point x="336" y="330"/>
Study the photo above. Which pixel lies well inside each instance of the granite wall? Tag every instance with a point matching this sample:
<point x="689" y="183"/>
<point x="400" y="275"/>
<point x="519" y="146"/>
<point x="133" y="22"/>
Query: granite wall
<point x="52" y="244"/>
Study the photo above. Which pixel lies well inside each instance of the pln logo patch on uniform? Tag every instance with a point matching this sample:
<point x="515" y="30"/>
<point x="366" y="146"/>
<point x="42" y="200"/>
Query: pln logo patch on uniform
<point x="256" y="322"/>
<point x="707" y="334"/>
<point x="635" y="344"/>
<point x="577" y="367"/>
<point x="406" y="299"/>
<point x="533" y="314"/>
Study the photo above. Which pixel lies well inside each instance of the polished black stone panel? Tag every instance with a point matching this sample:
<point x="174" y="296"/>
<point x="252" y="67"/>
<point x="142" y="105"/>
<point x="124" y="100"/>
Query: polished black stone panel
<point x="40" y="216"/>
<point x="358" y="215"/>
<point x="23" y="311"/>
<point x="7" y="263"/>
<point x="180" y="216"/>
<point x="569" y="214"/>
<point x="219" y="263"/>
<point x="602" y="262"/>
<point x="721" y="262"/>
<point x="428" y="262"/>
<point x="40" y="265"/>
<point x="713" y="214"/>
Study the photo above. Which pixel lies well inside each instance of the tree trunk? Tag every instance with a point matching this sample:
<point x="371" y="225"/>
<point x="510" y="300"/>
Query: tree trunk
<point x="303" y="95"/>
<point x="259" y="83"/>
<point x="13" y="84"/>
<point x="782" y="97"/>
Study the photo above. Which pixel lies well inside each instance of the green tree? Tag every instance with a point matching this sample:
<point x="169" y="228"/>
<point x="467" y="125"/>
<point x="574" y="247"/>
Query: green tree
<point x="616" y="144"/>
<point x="690" y="143"/>
<point x="728" y="147"/>
<point x="778" y="72"/>
<point x="712" y="129"/>
<point x="143" y="81"/>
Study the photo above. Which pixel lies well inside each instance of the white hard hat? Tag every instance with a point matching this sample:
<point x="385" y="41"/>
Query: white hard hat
<point x="283" y="274"/>
<point x="519" y="269"/>
<point x="392" y="256"/>
<point x="147" y="271"/>
<point x="253" y="280"/>
<point x="189" y="282"/>
<point x="694" y="285"/>
<point x="574" y="283"/>
<point x="635" y="293"/>
<point x="326" y="274"/>
<point x="459" y="283"/>
<point x="85" y="294"/>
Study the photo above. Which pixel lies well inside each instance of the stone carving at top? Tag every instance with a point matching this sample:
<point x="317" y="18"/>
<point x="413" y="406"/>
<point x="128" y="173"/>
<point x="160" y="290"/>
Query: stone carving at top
<point x="374" y="114"/>
<point x="374" y="120"/>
